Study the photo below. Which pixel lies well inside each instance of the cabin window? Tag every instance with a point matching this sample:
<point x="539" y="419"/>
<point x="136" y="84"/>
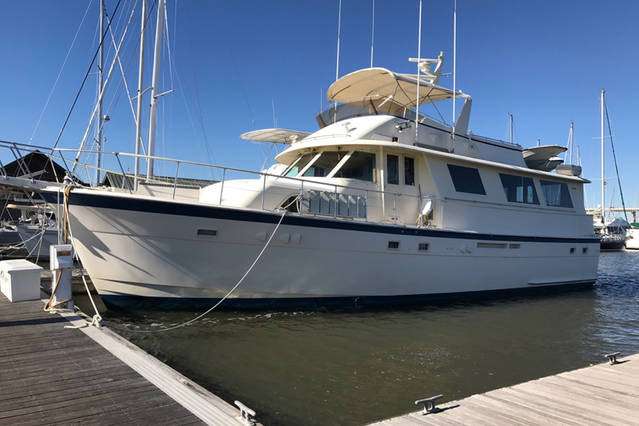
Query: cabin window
<point x="556" y="194"/>
<point x="392" y="169"/>
<point x="299" y="165"/>
<point x="519" y="189"/>
<point x="361" y="165"/>
<point x="409" y="171"/>
<point x="466" y="179"/>
<point x="324" y="164"/>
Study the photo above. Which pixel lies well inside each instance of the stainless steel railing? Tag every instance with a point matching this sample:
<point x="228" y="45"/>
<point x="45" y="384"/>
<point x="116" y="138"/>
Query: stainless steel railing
<point x="347" y="201"/>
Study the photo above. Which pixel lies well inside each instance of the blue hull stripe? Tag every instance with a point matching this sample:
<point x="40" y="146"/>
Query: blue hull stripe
<point x="107" y="201"/>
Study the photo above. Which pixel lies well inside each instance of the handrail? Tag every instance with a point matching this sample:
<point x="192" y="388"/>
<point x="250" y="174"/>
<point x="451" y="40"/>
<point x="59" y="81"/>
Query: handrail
<point x="301" y="184"/>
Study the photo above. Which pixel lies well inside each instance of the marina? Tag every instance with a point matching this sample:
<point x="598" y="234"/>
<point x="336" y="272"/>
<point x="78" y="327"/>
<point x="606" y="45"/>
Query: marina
<point x="602" y="394"/>
<point x="171" y="253"/>
<point x="57" y="369"/>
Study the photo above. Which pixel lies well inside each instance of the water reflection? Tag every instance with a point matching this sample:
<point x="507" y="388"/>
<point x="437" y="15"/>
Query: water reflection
<point x="355" y="367"/>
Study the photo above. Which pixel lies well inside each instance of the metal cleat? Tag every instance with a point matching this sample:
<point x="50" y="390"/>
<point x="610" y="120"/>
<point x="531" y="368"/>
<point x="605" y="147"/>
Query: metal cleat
<point x="430" y="405"/>
<point x="612" y="358"/>
<point x="248" y="415"/>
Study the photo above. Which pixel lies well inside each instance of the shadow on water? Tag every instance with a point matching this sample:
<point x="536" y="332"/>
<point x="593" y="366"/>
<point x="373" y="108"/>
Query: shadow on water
<point x="357" y="366"/>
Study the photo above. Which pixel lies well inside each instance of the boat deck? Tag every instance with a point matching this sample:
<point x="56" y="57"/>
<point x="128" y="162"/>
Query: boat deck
<point x="601" y="394"/>
<point x="50" y="374"/>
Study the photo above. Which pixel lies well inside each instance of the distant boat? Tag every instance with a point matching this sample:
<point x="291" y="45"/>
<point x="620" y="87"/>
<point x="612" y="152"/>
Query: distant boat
<point x="632" y="240"/>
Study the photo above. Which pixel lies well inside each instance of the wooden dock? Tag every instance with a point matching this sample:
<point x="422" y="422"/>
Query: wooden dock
<point x="601" y="394"/>
<point x="50" y="374"/>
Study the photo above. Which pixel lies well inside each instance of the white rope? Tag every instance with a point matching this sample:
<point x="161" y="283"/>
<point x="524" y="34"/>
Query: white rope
<point x="228" y="294"/>
<point x="97" y="318"/>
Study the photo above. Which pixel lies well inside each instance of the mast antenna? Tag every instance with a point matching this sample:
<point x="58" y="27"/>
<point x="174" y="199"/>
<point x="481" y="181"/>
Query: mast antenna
<point x="339" y="37"/>
<point x="511" y="129"/>
<point x="419" y="60"/>
<point x="372" y="32"/>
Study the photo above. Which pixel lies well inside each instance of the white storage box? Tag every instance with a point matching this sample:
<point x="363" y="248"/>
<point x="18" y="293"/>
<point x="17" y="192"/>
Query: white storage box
<point x="20" y="280"/>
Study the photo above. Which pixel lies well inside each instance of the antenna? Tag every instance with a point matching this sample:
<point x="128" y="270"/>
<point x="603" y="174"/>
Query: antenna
<point x="419" y="60"/>
<point x="372" y="33"/>
<point x="274" y="116"/>
<point x="571" y="135"/>
<point x="339" y="37"/>
<point x="511" y="130"/>
<point x="454" y="68"/>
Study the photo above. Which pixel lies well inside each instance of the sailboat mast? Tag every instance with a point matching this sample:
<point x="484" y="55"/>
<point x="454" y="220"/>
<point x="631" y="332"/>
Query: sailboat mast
<point x="419" y="60"/>
<point x="138" y="113"/>
<point x="159" y="27"/>
<point x="603" y="164"/>
<point x="98" y="130"/>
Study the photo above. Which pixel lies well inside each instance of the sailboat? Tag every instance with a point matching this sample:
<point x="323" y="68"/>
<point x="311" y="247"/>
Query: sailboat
<point x="612" y="237"/>
<point x="381" y="205"/>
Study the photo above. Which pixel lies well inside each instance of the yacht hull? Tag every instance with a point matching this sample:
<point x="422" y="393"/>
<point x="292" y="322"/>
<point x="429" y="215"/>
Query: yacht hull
<point x="160" y="249"/>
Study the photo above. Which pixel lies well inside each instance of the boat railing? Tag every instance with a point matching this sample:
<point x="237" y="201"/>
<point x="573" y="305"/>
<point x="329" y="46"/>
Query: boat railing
<point x="315" y="197"/>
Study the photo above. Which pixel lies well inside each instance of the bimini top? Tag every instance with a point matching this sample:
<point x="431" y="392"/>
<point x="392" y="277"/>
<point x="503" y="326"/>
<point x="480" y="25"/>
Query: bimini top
<point x="383" y="84"/>
<point x="284" y="136"/>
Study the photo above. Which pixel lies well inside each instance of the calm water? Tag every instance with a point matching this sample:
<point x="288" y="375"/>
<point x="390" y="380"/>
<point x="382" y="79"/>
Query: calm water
<point x="351" y="368"/>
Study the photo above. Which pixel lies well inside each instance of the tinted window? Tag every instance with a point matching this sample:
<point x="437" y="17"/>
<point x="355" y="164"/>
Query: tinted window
<point x="324" y="164"/>
<point x="392" y="169"/>
<point x="360" y="166"/>
<point x="409" y="171"/>
<point x="299" y="165"/>
<point x="519" y="189"/>
<point x="466" y="179"/>
<point x="556" y="194"/>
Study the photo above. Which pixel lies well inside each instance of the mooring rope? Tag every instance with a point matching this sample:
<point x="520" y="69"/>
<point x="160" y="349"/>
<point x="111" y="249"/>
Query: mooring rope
<point x="67" y="232"/>
<point x="67" y="235"/>
<point x="228" y="294"/>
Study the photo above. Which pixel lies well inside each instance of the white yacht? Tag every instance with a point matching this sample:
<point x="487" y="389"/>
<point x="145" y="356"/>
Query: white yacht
<point x="382" y="205"/>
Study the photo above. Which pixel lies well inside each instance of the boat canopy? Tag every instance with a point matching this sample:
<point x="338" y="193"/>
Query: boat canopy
<point x="383" y="84"/>
<point x="284" y="136"/>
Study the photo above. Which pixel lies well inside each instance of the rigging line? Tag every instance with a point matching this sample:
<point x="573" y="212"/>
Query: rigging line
<point x="84" y="80"/>
<point x="55" y="83"/>
<point x="167" y="42"/>
<point x="614" y="156"/>
<point x="101" y="94"/>
<point x="198" y="108"/>
<point x="126" y="86"/>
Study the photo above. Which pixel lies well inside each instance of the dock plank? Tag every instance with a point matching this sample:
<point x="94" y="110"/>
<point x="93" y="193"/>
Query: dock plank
<point x="602" y="394"/>
<point x="50" y="374"/>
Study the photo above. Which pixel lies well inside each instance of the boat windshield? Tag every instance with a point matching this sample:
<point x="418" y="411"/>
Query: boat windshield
<point x="298" y="165"/>
<point x="359" y="165"/>
<point x="324" y="164"/>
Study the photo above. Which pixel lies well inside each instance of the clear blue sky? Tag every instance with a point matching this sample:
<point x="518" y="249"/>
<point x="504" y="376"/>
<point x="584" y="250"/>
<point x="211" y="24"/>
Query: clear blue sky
<point x="544" y="61"/>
